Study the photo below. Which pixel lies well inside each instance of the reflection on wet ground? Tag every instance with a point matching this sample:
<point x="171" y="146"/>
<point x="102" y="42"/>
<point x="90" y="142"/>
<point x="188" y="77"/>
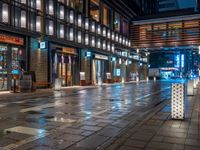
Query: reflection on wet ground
<point x="78" y="120"/>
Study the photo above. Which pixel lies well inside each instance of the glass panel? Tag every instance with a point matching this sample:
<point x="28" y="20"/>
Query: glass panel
<point x="23" y="19"/>
<point x="94" y="9"/>
<point x="5" y="13"/>
<point x="3" y="68"/>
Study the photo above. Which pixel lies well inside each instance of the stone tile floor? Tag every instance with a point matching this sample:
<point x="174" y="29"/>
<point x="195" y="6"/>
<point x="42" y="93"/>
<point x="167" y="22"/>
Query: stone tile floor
<point x="159" y="132"/>
<point x="119" y="117"/>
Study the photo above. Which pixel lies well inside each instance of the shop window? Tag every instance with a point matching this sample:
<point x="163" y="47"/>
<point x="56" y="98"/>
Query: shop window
<point x="4" y="15"/>
<point x="38" y="23"/>
<point x="23" y="19"/>
<point x="94" y="9"/>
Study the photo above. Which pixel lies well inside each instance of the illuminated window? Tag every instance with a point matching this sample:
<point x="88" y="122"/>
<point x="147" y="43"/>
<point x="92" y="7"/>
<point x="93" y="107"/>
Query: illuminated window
<point x="23" y="19"/>
<point x="61" y="32"/>
<point x="62" y="12"/>
<point x="117" y="22"/>
<point x="50" y="27"/>
<point x="71" y="16"/>
<point x="5" y="13"/>
<point x="106" y="14"/>
<point x="94" y="9"/>
<point x="50" y="7"/>
<point x="71" y="34"/>
<point x="79" y="37"/>
<point x="38" y="4"/>
<point x="38" y="24"/>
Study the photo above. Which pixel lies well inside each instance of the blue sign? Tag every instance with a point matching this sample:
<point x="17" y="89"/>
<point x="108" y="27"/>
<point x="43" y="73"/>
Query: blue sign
<point x="42" y="45"/>
<point x="88" y="54"/>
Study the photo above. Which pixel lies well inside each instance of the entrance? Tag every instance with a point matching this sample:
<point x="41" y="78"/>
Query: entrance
<point x="98" y="71"/>
<point x="63" y="68"/>
<point x="11" y="65"/>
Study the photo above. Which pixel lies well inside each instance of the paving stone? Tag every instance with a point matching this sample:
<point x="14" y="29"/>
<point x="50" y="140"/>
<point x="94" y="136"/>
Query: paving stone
<point x="177" y="147"/>
<point x="192" y="142"/>
<point x="128" y="148"/>
<point x="174" y="140"/>
<point x="109" y="131"/>
<point x="91" y="128"/>
<point x="142" y="136"/>
<point x="92" y="142"/>
<point x="135" y="143"/>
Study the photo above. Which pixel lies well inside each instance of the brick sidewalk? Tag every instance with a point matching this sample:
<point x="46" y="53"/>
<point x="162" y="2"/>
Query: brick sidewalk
<point x="159" y="131"/>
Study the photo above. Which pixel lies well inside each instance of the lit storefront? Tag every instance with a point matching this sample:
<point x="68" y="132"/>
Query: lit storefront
<point x="12" y="62"/>
<point x="64" y="65"/>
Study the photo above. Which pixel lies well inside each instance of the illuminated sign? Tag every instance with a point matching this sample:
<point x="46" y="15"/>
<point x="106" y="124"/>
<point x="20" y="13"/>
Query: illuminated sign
<point x="42" y="45"/>
<point x="11" y="39"/>
<point x="88" y="54"/>
<point x="182" y="61"/>
<point x="113" y="58"/>
<point x="69" y="50"/>
<point x="118" y="72"/>
<point x="101" y="57"/>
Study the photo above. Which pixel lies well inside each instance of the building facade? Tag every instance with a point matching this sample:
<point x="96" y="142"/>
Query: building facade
<point x="168" y="5"/>
<point x="78" y="41"/>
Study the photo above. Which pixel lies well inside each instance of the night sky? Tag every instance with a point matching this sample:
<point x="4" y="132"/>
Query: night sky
<point x="186" y="3"/>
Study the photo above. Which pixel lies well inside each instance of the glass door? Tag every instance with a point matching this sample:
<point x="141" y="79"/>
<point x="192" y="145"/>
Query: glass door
<point x="3" y="68"/>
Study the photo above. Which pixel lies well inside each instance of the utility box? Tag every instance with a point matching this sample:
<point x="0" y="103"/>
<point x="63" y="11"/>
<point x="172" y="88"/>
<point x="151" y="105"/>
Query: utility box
<point x="178" y="101"/>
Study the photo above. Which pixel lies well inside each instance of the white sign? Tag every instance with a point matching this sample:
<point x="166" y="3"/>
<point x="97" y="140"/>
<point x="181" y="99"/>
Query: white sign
<point x="42" y="45"/>
<point x="101" y="57"/>
<point x="82" y="75"/>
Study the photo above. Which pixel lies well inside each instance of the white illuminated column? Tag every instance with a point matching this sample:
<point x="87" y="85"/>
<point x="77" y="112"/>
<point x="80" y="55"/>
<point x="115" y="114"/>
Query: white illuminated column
<point x="23" y="19"/>
<point x="79" y="37"/>
<point x="129" y="43"/>
<point x="61" y="31"/>
<point x="38" y="24"/>
<point x="177" y="101"/>
<point x="137" y="50"/>
<point x="126" y="42"/>
<point x="5" y="13"/>
<point x="86" y="39"/>
<point x="62" y="12"/>
<point x="71" y="16"/>
<point x="79" y="20"/>
<point x="99" y="43"/>
<point x="147" y="79"/>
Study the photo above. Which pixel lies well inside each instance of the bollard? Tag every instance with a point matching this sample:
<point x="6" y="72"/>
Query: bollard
<point x="190" y="87"/>
<point x="177" y="101"/>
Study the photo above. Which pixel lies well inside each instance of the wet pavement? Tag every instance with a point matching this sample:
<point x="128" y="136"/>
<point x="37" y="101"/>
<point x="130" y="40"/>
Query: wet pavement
<point x="77" y="119"/>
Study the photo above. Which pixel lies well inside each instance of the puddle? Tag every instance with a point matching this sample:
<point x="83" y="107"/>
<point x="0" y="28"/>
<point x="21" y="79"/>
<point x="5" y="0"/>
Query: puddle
<point x="32" y="112"/>
<point x="48" y="117"/>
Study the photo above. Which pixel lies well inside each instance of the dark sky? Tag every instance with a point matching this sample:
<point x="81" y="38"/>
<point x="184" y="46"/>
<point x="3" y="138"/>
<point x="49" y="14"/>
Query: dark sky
<point x="186" y="3"/>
